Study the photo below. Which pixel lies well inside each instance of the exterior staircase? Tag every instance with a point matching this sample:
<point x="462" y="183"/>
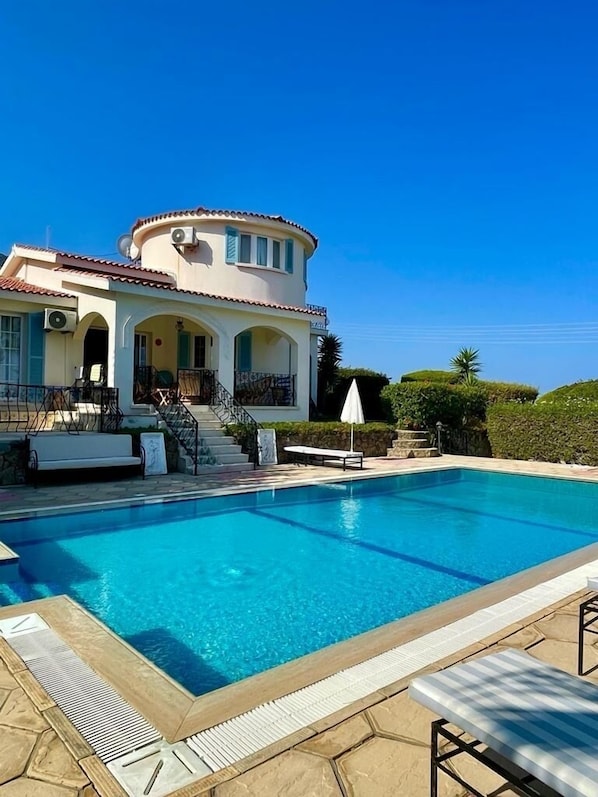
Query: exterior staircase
<point x="411" y="444"/>
<point x="218" y="452"/>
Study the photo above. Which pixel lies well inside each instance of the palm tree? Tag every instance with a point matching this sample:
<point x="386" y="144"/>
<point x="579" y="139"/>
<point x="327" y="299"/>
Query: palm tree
<point x="329" y="359"/>
<point x="466" y="364"/>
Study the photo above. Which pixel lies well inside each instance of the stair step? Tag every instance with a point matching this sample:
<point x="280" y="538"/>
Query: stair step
<point x="413" y="443"/>
<point x="407" y="452"/>
<point x="228" y="468"/>
<point x="230" y="448"/>
<point x="231" y="459"/>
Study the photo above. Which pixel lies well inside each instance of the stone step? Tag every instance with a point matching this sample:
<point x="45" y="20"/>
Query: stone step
<point x="230" y="459"/>
<point x="227" y="448"/>
<point x="407" y="452"/>
<point x="409" y="434"/>
<point x="228" y="468"/>
<point x="414" y="443"/>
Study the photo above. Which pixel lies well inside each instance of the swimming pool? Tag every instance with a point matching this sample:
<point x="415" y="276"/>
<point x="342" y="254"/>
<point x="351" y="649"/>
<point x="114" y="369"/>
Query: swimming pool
<point x="213" y="590"/>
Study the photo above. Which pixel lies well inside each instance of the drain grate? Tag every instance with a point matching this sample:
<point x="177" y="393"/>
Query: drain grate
<point x="106" y="721"/>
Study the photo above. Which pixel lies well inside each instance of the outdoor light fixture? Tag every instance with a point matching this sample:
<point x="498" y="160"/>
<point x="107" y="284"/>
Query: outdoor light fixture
<point x="180" y="326"/>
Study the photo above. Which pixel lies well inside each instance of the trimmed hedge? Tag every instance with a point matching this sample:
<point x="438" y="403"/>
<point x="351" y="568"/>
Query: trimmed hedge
<point x="579" y="391"/>
<point x="501" y="392"/>
<point x="420" y="405"/>
<point x="446" y="377"/>
<point x="371" y="438"/>
<point x="544" y="432"/>
<point x="369" y="384"/>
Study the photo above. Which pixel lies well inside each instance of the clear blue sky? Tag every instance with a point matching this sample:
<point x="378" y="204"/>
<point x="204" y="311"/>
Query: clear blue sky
<point x="444" y="151"/>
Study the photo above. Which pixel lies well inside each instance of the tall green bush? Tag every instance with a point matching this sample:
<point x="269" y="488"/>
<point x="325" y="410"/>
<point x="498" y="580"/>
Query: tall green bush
<point x="501" y="392"/>
<point x="431" y="376"/>
<point x="370" y="384"/>
<point x="544" y="432"/>
<point x="420" y="405"/>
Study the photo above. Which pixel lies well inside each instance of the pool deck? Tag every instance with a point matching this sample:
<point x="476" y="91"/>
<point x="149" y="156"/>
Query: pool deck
<point x="375" y="747"/>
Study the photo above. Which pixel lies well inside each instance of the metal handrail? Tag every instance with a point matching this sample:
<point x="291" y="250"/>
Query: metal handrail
<point x="184" y="426"/>
<point x="263" y="388"/>
<point x="230" y="411"/>
<point x="35" y="408"/>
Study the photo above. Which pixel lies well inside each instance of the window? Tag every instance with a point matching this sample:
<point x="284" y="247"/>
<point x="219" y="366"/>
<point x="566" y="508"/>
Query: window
<point x="258" y="250"/>
<point x="245" y="249"/>
<point x="140" y="350"/>
<point x="199" y="351"/>
<point x="275" y="254"/>
<point x="10" y="348"/>
<point x="262" y="251"/>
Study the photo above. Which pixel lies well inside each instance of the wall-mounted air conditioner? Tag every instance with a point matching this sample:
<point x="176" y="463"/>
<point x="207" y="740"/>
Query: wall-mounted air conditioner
<point x="183" y="236"/>
<point x="60" y="320"/>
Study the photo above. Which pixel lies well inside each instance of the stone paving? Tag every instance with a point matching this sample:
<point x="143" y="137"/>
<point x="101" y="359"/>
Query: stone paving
<point x="378" y="751"/>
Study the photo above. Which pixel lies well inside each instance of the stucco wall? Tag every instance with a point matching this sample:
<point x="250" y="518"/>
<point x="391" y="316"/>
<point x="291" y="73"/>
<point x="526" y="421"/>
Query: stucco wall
<point x="205" y="268"/>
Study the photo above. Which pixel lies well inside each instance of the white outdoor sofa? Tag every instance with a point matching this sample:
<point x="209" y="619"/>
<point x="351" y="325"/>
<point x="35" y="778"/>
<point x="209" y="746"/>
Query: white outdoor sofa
<point x="532" y="724"/>
<point x="51" y="452"/>
<point x="308" y="455"/>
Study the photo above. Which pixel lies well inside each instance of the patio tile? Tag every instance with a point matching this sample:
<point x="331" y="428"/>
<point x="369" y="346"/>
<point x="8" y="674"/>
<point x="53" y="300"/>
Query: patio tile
<point x="387" y="768"/>
<point x="403" y="719"/>
<point x="15" y="749"/>
<point x="559" y="626"/>
<point x="52" y="761"/>
<point x="26" y="787"/>
<point x="7" y="681"/>
<point x="332" y="743"/>
<point x="292" y="774"/>
<point x="564" y="655"/>
<point x="524" y="638"/>
<point x="18" y="712"/>
<point x="4" y="693"/>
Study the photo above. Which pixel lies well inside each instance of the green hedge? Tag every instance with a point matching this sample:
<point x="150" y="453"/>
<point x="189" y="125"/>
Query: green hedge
<point x="544" y="432"/>
<point x="420" y="405"/>
<point x="369" y="384"/>
<point x="501" y="392"/>
<point x="579" y="391"/>
<point x="371" y="438"/>
<point x="446" y="377"/>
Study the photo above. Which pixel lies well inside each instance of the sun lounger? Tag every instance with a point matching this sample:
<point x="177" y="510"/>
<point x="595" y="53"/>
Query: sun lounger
<point x="533" y="724"/>
<point x="309" y="455"/>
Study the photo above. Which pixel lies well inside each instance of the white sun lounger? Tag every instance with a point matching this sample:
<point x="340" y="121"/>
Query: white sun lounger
<point x="309" y="454"/>
<point x="534" y="716"/>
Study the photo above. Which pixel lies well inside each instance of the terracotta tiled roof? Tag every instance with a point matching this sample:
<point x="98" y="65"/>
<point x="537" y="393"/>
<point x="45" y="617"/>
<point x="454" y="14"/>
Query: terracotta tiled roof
<point x="101" y="261"/>
<point x="149" y="283"/>
<point x="19" y="286"/>
<point x="201" y="211"/>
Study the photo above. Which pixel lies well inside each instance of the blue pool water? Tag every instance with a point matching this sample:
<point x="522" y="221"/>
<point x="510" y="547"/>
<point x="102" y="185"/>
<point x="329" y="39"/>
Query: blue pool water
<point x="214" y="590"/>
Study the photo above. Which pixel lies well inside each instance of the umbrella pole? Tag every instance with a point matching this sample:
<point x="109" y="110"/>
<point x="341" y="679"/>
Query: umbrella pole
<point x="351" y="437"/>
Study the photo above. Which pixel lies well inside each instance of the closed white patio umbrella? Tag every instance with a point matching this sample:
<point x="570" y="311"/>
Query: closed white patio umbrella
<point x="352" y="410"/>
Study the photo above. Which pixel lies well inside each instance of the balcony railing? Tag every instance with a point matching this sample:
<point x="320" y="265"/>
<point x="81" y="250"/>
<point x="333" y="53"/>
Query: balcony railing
<point x="50" y="408"/>
<point x="257" y="389"/>
<point x="319" y="323"/>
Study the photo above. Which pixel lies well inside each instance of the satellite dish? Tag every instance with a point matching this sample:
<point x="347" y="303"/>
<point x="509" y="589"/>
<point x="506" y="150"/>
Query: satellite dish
<point x="124" y="244"/>
<point x="133" y="251"/>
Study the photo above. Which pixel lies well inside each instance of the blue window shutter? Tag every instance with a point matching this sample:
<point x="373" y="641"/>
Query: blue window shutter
<point x="305" y="268"/>
<point x="244" y="351"/>
<point x="231" y="253"/>
<point x="183" y="349"/>
<point x="288" y="260"/>
<point x="36" y="344"/>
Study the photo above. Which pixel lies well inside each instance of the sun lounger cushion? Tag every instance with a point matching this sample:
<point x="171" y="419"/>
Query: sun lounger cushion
<point x="536" y="716"/>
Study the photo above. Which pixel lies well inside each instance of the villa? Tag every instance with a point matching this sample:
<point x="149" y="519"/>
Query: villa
<point x="207" y="299"/>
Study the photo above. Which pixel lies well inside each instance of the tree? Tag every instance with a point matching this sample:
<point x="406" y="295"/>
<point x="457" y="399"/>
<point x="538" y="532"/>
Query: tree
<point x="466" y="364"/>
<point x="329" y="360"/>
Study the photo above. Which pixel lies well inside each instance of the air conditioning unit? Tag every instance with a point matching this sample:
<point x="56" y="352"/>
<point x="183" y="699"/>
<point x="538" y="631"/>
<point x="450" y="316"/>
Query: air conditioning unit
<point x="183" y="236"/>
<point x="60" y="320"/>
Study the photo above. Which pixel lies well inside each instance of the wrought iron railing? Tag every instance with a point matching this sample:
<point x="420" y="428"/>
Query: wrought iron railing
<point x="229" y="411"/>
<point x="184" y="427"/>
<point x="319" y="323"/>
<point x="256" y="389"/>
<point x="73" y="409"/>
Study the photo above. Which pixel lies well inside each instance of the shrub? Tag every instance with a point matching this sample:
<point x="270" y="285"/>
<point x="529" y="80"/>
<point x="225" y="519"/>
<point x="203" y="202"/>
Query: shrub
<point x="419" y="405"/>
<point x="431" y="376"/>
<point x="501" y="392"/>
<point x="545" y="432"/>
<point x="579" y="391"/>
<point x="371" y="438"/>
<point x="370" y="384"/>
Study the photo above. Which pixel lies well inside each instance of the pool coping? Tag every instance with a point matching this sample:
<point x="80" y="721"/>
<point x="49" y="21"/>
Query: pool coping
<point x="178" y="714"/>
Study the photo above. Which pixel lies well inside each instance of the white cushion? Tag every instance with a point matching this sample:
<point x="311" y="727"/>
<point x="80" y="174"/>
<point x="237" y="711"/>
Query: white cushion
<point x="324" y="452"/>
<point x="80" y="446"/>
<point x="92" y="462"/>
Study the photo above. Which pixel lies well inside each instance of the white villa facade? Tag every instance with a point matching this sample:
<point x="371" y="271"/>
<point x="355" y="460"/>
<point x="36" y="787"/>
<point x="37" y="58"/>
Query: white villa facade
<point x="208" y="296"/>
